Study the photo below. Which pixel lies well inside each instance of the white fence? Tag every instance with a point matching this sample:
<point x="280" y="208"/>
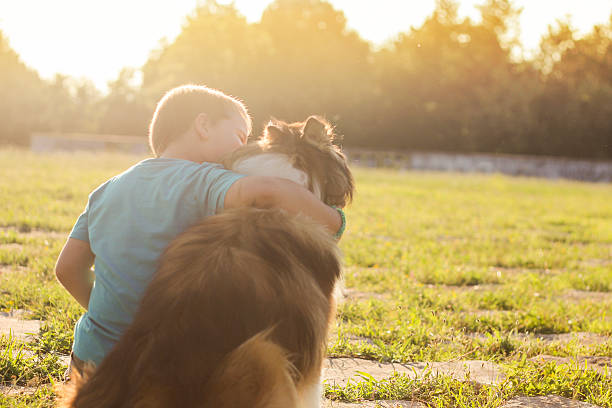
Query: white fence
<point x="52" y="142"/>
<point x="535" y="166"/>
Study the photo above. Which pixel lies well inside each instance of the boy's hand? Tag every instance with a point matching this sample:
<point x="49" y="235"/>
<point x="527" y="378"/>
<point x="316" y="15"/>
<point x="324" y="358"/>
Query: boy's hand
<point x="275" y="192"/>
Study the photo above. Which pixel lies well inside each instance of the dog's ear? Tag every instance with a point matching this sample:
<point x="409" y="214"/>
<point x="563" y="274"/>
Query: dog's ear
<point x="273" y="133"/>
<point x="317" y="130"/>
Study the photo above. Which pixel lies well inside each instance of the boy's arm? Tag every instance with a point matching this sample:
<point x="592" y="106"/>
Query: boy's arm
<point x="274" y="192"/>
<point x="73" y="269"/>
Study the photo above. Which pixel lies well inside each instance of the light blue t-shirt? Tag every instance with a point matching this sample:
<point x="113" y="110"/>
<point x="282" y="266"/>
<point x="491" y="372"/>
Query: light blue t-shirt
<point x="128" y="222"/>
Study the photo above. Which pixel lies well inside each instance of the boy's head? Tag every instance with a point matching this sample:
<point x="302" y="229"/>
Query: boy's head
<point x="211" y="115"/>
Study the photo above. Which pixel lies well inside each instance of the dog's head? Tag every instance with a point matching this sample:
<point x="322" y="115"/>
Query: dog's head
<point x="303" y="152"/>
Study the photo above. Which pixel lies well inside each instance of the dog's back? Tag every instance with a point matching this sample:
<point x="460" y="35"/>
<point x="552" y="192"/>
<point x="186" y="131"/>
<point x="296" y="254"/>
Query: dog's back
<point x="236" y="316"/>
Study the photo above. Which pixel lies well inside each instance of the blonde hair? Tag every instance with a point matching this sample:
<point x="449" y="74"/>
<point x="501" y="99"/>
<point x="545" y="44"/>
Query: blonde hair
<point x="178" y="108"/>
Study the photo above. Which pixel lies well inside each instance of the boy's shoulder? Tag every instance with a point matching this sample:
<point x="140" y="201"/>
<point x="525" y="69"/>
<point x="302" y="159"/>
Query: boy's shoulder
<point x="159" y="169"/>
<point x="170" y="164"/>
<point x="174" y="172"/>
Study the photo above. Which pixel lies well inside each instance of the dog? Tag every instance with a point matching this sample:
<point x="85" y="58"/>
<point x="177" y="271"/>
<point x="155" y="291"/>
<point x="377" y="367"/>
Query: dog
<point x="302" y="152"/>
<point x="238" y="313"/>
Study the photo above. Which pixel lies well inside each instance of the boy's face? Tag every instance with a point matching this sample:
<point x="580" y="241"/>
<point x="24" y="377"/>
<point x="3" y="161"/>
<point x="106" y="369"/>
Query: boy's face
<point x="225" y="136"/>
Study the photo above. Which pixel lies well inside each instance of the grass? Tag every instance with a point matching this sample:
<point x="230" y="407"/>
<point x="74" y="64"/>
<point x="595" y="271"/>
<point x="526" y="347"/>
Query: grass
<point x="440" y="267"/>
<point x="570" y="381"/>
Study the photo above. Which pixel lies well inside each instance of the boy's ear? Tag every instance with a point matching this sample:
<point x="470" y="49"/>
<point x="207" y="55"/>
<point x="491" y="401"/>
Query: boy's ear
<point x="200" y="124"/>
<point x="316" y="129"/>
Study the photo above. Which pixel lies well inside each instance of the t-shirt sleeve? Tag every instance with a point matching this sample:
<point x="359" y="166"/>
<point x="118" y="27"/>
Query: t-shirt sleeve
<point x="214" y="184"/>
<point x="81" y="227"/>
<point x="80" y="230"/>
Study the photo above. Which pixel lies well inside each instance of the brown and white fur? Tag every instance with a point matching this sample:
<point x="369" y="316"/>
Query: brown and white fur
<point x="238" y="312"/>
<point x="302" y="152"/>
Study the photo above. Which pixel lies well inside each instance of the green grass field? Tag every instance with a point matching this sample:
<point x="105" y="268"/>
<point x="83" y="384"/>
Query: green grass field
<point x="439" y="267"/>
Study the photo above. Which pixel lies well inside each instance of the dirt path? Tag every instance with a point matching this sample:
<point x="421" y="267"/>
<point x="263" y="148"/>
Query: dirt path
<point x="339" y="370"/>
<point x="12" y="324"/>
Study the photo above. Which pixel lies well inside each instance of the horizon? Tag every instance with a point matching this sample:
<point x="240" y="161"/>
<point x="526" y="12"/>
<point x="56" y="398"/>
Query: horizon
<point x="99" y="57"/>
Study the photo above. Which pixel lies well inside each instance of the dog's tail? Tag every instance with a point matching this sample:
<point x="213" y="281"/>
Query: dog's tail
<point x="257" y="374"/>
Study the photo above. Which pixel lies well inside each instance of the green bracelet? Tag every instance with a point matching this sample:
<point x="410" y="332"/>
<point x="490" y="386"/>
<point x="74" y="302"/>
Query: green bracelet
<point x="338" y="234"/>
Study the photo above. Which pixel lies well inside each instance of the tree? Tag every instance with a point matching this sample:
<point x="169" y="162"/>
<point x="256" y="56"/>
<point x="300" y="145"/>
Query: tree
<point x="315" y="65"/>
<point x="216" y="47"/>
<point x="21" y="89"/>
<point x="299" y="60"/>
<point x="70" y="105"/>
<point x="449" y="85"/>
<point x="502" y="18"/>
<point x="573" y="110"/>
<point x="124" y="110"/>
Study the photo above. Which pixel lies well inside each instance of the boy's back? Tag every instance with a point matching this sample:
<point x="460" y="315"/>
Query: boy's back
<point x="128" y="222"/>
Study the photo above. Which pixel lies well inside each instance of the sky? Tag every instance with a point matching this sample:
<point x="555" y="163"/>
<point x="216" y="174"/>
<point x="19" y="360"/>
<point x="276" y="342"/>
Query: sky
<point x="96" y="39"/>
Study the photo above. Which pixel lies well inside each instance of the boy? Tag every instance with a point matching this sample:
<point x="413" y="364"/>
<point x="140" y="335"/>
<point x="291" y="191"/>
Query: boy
<point x="130" y="219"/>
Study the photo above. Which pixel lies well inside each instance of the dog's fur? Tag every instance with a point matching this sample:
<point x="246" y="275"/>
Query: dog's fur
<point x="237" y="314"/>
<point x="303" y="152"/>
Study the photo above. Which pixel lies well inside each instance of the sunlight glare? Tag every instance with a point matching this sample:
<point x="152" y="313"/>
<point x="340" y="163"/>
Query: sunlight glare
<point x="97" y="39"/>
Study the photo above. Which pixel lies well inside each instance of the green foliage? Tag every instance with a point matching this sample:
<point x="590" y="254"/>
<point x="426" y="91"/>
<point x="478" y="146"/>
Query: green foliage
<point x="437" y="390"/>
<point x="42" y="397"/>
<point x="22" y="90"/>
<point x="19" y="367"/>
<point x="570" y="381"/>
<point x="530" y="379"/>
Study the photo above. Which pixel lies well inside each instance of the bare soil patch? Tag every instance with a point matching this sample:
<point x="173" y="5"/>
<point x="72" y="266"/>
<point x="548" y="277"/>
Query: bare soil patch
<point x="11" y="269"/>
<point x="584" y="338"/>
<point x="550" y="401"/>
<point x="487" y="287"/>
<point x="596" y="262"/>
<point x="20" y="329"/>
<point x="340" y="370"/>
<point x="16" y="390"/>
<point x="36" y="233"/>
<point x="64" y="360"/>
<point x="511" y="270"/>
<point x="352" y="339"/>
<point x="11" y="247"/>
<point x="597" y="363"/>
<point x="373" y="404"/>
<point x="354" y="294"/>
<point x="366" y="269"/>
<point x="361" y="340"/>
<point x="488" y="313"/>
<point x="15" y="313"/>
<point x="580" y="295"/>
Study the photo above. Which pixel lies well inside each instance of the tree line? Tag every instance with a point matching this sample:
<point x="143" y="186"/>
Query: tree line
<point x="451" y="84"/>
